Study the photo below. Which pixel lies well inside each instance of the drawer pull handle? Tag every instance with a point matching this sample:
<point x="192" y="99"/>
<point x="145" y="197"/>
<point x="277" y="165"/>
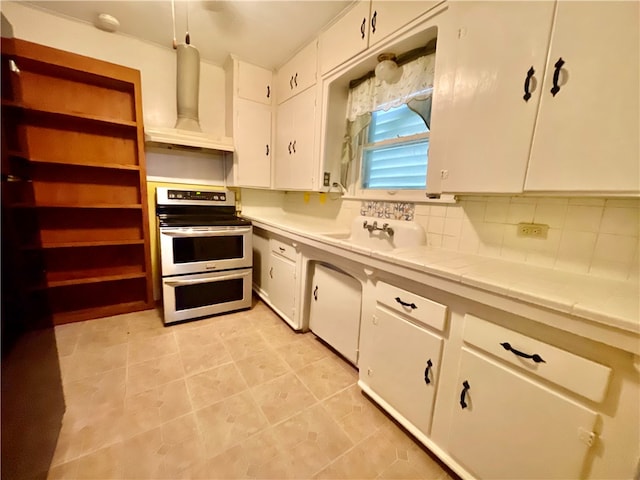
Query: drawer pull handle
<point x="373" y="21"/>
<point x="281" y="249"/>
<point x="271" y="272"/>
<point x="289" y="148"/>
<point x="268" y="91"/>
<point x="535" y="357"/>
<point x="463" y="394"/>
<point x="427" y="380"/>
<point x="364" y="22"/>
<point x="315" y="293"/>
<point x="527" y="84"/>
<point x="556" y="76"/>
<point x="267" y="149"/>
<point x="405" y="304"/>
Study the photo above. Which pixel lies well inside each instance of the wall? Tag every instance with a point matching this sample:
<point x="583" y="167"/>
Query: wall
<point x="157" y="65"/>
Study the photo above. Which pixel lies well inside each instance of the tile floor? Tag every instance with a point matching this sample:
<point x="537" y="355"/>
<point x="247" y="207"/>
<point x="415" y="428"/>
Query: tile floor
<point x="234" y="396"/>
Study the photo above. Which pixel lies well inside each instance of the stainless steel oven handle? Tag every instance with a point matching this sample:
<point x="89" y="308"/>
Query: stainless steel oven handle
<point x="206" y="232"/>
<point x="180" y="283"/>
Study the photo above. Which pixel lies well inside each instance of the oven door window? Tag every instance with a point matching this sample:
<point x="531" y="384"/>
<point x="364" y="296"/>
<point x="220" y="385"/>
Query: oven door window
<point x="205" y="249"/>
<point x="209" y="293"/>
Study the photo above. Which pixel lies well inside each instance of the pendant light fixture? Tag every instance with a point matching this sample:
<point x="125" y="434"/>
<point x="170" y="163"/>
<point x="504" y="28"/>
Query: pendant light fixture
<point x="387" y="69"/>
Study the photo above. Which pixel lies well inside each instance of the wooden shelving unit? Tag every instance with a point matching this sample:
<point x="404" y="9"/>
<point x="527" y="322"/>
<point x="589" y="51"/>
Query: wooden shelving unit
<point x="74" y="152"/>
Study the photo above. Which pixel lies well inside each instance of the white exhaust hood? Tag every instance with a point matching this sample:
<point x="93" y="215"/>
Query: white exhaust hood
<point x="173" y="137"/>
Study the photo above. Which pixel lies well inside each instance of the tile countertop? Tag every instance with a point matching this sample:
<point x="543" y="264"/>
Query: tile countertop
<point x="610" y="302"/>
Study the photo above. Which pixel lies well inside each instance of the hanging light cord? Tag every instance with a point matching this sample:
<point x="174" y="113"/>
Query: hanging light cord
<point x="173" y="18"/>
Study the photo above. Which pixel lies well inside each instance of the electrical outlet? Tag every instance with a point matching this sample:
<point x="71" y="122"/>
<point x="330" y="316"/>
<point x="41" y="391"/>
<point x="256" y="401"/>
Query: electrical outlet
<point x="327" y="179"/>
<point x="533" y="230"/>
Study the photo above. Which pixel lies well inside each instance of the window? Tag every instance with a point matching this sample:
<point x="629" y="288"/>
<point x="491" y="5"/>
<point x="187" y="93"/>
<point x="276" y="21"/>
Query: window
<point x="395" y="153"/>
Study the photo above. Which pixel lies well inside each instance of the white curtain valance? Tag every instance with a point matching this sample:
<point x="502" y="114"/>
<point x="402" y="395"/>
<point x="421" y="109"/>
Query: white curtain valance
<point x="416" y="83"/>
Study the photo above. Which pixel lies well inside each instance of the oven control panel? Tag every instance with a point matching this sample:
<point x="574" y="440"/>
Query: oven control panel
<point x="204" y="196"/>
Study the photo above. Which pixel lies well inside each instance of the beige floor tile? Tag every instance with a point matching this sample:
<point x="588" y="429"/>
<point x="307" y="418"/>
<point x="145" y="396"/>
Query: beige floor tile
<point x="229" y="422"/>
<point x="67" y="339"/>
<point x="247" y="345"/>
<point x="92" y="338"/>
<point x="355" y="413"/>
<point x="314" y="436"/>
<point x="142" y="455"/>
<point x="352" y="465"/>
<point x="233" y="325"/>
<point x="263" y="317"/>
<point x="88" y="362"/>
<point x="261" y="368"/>
<point x="327" y="376"/>
<point x="279" y="335"/>
<point x="282" y="397"/>
<point x="102" y="464"/>
<point x="173" y="400"/>
<point x="152" y="373"/>
<point x="303" y="351"/>
<point x="65" y="471"/>
<point x="198" y="359"/>
<point x="105" y="390"/>
<point x="198" y="336"/>
<point x="214" y="385"/>
<point x="143" y="349"/>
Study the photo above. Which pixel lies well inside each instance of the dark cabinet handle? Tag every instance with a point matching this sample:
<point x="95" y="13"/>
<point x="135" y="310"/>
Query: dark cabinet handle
<point x="267" y="149"/>
<point x="293" y="146"/>
<point x="405" y="304"/>
<point x="291" y="82"/>
<point x="427" y="380"/>
<point x="364" y="23"/>
<point x="289" y="148"/>
<point x="295" y="79"/>
<point x="463" y="394"/>
<point x="282" y="249"/>
<point x="373" y="21"/>
<point x="271" y="272"/>
<point x="315" y="293"/>
<point x="527" y="84"/>
<point x="268" y="91"/>
<point x="535" y="357"/>
<point x="556" y="76"/>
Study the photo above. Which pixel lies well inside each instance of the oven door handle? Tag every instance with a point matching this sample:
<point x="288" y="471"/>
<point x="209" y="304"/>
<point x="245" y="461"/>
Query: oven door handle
<point x="180" y="283"/>
<point x="206" y="232"/>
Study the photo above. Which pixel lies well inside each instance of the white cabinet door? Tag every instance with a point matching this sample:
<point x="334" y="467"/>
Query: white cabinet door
<point x="587" y="136"/>
<point x="403" y="366"/>
<point x="511" y="427"/>
<point x="261" y="263"/>
<point x="255" y="83"/>
<point x="334" y="314"/>
<point x="299" y="73"/>
<point x="282" y="285"/>
<point x="295" y="162"/>
<point x="387" y="16"/>
<point x="252" y="138"/>
<point x="491" y="127"/>
<point x="345" y="38"/>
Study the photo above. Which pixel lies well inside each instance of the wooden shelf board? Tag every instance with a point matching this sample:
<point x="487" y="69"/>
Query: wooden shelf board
<point x="112" y="206"/>
<point x="102" y="243"/>
<point x="97" y="312"/>
<point x="86" y="280"/>
<point x="112" y="166"/>
<point x="72" y="115"/>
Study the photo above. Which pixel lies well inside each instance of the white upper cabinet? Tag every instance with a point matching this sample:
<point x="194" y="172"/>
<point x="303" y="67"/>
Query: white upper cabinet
<point x="583" y="138"/>
<point x="387" y="16"/>
<point x="295" y="133"/>
<point x="347" y="37"/>
<point x="248" y="120"/>
<point x="491" y="124"/>
<point x="299" y="73"/>
<point x="587" y="135"/>
<point x="255" y="83"/>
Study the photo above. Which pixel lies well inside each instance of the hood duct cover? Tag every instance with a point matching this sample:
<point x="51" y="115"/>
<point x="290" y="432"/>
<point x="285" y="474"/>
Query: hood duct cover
<point x="188" y="87"/>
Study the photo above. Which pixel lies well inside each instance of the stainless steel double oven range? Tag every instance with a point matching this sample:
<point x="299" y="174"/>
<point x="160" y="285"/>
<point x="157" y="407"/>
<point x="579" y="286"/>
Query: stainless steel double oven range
<point x="205" y="253"/>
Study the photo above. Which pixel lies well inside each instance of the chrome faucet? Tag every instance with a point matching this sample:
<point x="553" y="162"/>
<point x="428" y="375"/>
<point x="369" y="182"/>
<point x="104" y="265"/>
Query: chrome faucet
<point x="374" y="226"/>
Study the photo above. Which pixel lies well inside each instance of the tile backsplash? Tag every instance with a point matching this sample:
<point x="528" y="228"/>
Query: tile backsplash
<point x="393" y="210"/>
<point x="586" y="235"/>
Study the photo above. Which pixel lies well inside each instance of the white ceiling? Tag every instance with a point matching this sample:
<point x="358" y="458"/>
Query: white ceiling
<point x="262" y="32"/>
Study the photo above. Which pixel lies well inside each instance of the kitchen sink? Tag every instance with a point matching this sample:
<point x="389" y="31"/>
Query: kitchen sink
<point x="382" y="234"/>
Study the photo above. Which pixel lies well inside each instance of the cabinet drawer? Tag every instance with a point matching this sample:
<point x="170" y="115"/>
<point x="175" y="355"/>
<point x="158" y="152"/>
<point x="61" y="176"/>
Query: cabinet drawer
<point x="282" y="248"/>
<point x="414" y="306"/>
<point x="577" y="374"/>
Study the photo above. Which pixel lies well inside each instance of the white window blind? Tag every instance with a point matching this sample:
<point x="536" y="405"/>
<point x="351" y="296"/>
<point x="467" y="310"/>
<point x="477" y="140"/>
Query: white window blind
<point x="396" y="152"/>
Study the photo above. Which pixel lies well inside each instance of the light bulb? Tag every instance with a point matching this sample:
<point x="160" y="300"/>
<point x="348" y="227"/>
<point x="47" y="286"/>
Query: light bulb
<point x="387" y="69"/>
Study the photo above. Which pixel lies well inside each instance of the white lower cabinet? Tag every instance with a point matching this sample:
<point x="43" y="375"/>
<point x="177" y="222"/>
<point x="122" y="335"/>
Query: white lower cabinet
<point x="334" y="312"/>
<point x="261" y="263"/>
<point x="282" y="285"/>
<point x="404" y="366"/>
<point x="508" y="426"/>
